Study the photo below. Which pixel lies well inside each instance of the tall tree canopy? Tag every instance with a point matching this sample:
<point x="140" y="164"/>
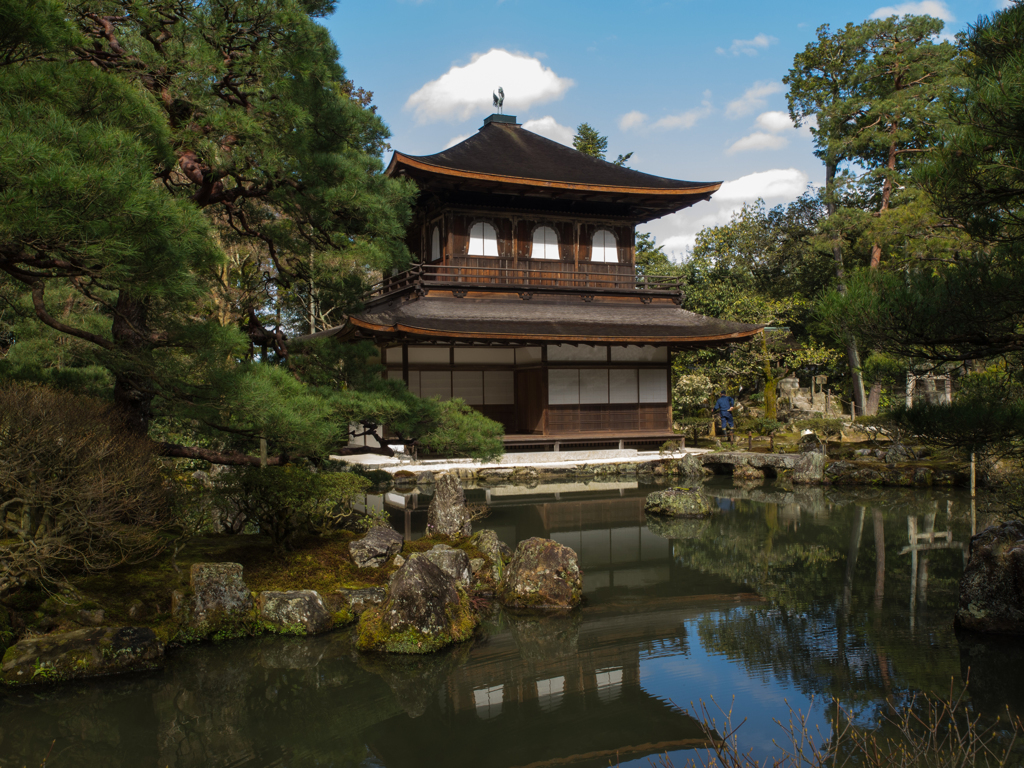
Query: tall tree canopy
<point x="968" y="306"/>
<point x="182" y="185"/>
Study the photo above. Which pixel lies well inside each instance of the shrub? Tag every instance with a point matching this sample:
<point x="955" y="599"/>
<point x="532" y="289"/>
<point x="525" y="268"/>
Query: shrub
<point x="78" y="492"/>
<point x="692" y="394"/>
<point x="463" y="431"/>
<point x="283" y="501"/>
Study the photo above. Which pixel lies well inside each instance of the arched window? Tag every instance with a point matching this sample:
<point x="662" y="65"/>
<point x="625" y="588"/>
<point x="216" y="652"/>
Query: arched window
<point x="483" y="240"/>
<point x="545" y="243"/>
<point x="435" y="245"/>
<point x="604" y="247"/>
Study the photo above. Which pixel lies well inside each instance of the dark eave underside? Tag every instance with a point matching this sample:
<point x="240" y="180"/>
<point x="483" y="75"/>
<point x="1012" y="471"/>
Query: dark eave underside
<point x="541" y="320"/>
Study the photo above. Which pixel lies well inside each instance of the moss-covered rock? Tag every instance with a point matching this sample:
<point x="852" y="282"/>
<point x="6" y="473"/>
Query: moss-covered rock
<point x="301" y="611"/>
<point x="487" y="541"/>
<point x="218" y="603"/>
<point x="542" y="574"/>
<point x="424" y="611"/>
<point x="83" y="653"/>
<point x="447" y="515"/>
<point x="685" y="503"/>
<point x="454" y="562"/>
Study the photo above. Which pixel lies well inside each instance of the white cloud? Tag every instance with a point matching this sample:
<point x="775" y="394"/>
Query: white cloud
<point x="457" y="140"/>
<point x="757" y="140"/>
<point x="632" y="119"/>
<point x="464" y="91"/>
<point x="688" y="118"/>
<point x="935" y="8"/>
<point x="753" y="98"/>
<point x="549" y="128"/>
<point x="751" y="47"/>
<point x="773" y="130"/>
<point x="774" y="122"/>
<point x="678" y="232"/>
<point x="778" y="184"/>
<point x="1002" y="5"/>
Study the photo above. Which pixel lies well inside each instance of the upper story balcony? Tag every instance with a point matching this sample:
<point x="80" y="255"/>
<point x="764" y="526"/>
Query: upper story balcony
<point x="501" y="275"/>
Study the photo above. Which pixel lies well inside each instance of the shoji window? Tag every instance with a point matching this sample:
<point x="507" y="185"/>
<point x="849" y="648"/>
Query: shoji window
<point x="545" y="243"/>
<point x="604" y="247"/>
<point x="483" y="240"/>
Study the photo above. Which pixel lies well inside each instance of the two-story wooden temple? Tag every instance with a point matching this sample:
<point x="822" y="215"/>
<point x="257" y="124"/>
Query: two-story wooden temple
<point x="525" y="300"/>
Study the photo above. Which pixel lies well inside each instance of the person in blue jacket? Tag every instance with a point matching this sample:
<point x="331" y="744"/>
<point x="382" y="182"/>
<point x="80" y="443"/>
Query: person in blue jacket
<point x="723" y="406"/>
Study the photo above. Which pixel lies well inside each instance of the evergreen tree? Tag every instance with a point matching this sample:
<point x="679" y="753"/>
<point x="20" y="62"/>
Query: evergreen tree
<point x="588" y="141"/>
<point x="180" y="182"/>
<point x="872" y="93"/>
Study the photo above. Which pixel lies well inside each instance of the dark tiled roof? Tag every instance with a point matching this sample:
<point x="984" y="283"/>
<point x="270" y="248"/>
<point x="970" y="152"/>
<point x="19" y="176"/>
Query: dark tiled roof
<point x="545" y="319"/>
<point x="507" y="150"/>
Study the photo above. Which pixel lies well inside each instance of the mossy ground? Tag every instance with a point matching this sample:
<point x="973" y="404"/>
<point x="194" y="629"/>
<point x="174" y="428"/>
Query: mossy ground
<point x="321" y="563"/>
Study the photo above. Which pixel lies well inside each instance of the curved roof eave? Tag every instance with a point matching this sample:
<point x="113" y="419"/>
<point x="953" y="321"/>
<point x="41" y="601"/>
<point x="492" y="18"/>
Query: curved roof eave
<point x="702" y="190"/>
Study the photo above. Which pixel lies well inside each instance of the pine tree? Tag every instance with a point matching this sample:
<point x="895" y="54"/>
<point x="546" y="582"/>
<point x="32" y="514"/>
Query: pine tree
<point x="144" y="141"/>
<point x="588" y="141"/>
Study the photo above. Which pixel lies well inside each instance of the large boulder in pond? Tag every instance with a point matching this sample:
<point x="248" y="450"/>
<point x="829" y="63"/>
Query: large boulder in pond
<point x="301" y="611"/>
<point x="423" y="611"/>
<point x="454" y="562"/>
<point x="447" y="515"/>
<point x="542" y="574"/>
<point x="992" y="587"/>
<point x="218" y="596"/>
<point x="685" y="503"/>
<point x="374" y="549"/>
<point x="87" y="652"/>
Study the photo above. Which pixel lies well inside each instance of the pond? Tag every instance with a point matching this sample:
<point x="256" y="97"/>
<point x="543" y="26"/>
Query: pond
<point x="785" y="595"/>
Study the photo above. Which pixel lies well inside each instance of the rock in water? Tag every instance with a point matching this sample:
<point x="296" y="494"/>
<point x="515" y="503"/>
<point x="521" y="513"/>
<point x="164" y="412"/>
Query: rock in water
<point x="218" y="594"/>
<point x="424" y="611"/>
<point x="447" y="515"/>
<point x="454" y="562"/>
<point x="82" y="653"/>
<point x="299" y="609"/>
<point x="378" y="546"/>
<point x="487" y="541"/>
<point x="542" y="574"/>
<point x="992" y="587"/>
<point x="686" y="503"/>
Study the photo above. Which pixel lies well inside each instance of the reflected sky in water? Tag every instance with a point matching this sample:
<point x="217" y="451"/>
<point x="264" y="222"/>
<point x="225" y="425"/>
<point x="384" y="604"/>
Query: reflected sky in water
<point x="784" y="595"/>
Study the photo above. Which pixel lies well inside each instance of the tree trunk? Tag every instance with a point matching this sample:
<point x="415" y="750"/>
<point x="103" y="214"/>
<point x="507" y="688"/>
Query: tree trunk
<point x="852" y="355"/>
<point x="133" y="394"/>
<point x="873" y="398"/>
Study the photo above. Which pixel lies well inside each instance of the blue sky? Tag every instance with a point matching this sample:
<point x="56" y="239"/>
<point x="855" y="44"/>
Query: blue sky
<point x="693" y="88"/>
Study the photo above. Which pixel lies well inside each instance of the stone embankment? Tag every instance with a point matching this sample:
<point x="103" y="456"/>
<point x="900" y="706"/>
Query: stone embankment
<point x="808" y="468"/>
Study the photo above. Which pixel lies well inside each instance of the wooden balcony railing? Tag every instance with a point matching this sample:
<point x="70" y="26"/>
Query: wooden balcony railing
<point x="497" y="273"/>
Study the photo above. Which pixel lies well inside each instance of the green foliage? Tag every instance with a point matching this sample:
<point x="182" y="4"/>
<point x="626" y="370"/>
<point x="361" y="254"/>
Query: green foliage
<point x="588" y="141"/>
<point x="462" y="431"/>
<point x="692" y="395"/>
<point x="284" y="501"/>
<point x="764" y="426"/>
<point x="977" y="176"/>
<point x="271" y="210"/>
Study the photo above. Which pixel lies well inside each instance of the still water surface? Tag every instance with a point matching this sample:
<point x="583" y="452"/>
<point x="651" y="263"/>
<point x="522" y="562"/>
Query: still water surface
<point x="785" y="595"/>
